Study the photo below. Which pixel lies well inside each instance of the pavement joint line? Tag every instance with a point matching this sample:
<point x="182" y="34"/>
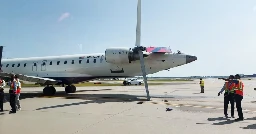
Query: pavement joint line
<point x="104" y="119"/>
<point x="210" y="107"/>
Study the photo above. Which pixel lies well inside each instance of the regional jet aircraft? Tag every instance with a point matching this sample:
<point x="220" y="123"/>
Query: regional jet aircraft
<point x="113" y="63"/>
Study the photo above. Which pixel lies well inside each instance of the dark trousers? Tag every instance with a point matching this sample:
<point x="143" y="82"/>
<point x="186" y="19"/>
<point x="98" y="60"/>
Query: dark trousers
<point x="229" y="98"/>
<point x="202" y="89"/>
<point x="239" y="99"/>
<point x="12" y="101"/>
<point x="1" y="100"/>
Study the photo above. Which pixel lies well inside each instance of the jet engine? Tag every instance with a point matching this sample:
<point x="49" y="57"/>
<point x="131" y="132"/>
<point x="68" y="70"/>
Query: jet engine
<point x="121" y="55"/>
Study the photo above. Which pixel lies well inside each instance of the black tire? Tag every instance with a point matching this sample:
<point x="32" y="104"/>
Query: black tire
<point x="73" y="88"/>
<point x="49" y="91"/>
<point x="124" y="83"/>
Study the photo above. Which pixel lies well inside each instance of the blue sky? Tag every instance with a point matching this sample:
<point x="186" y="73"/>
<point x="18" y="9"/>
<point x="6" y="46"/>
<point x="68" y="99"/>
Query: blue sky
<point x="221" y="33"/>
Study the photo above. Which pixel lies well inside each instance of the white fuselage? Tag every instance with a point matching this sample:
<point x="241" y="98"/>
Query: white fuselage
<point x="88" y="66"/>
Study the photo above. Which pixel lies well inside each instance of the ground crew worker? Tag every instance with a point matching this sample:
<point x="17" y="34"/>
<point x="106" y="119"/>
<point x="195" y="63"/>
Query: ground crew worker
<point x="239" y="88"/>
<point x="228" y="95"/>
<point x="12" y="92"/>
<point x="18" y="93"/>
<point x="2" y="84"/>
<point x="202" y="85"/>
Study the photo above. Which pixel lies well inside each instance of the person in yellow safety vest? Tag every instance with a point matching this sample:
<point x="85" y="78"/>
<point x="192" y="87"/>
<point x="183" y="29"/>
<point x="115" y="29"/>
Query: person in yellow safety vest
<point x="18" y="107"/>
<point x="202" y="85"/>
<point x="12" y="92"/>
<point x="239" y="89"/>
<point x="2" y="85"/>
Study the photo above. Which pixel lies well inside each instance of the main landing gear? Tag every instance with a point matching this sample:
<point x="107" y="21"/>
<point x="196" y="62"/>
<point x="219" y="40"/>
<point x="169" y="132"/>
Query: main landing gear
<point x="50" y="90"/>
<point x="70" y="89"/>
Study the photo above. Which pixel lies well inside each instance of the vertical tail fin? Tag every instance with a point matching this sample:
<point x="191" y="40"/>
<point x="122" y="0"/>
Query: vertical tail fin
<point x="1" y="53"/>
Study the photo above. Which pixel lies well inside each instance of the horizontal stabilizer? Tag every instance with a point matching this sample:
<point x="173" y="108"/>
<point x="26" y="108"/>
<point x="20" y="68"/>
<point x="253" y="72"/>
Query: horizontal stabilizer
<point x="158" y="50"/>
<point x="31" y="78"/>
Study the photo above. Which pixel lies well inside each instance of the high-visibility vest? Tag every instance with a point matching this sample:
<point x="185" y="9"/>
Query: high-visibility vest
<point x="201" y="82"/>
<point x="239" y="88"/>
<point x="19" y="87"/>
<point x="229" y="87"/>
<point x="12" y="84"/>
<point x="1" y="82"/>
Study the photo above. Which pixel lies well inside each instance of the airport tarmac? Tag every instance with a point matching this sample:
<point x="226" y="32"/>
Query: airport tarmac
<point x="122" y="109"/>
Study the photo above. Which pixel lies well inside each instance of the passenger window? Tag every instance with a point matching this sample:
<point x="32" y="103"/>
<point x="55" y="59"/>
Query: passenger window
<point x="73" y="61"/>
<point x="80" y="61"/>
<point x="18" y="65"/>
<point x="34" y="64"/>
<point x="94" y="60"/>
<point x="50" y="63"/>
<point x="58" y="62"/>
<point x="87" y="61"/>
<point x="65" y="62"/>
<point x="25" y="64"/>
<point x="13" y="65"/>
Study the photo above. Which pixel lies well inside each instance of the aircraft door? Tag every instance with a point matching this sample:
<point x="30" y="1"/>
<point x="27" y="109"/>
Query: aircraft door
<point x="34" y="67"/>
<point x="43" y="66"/>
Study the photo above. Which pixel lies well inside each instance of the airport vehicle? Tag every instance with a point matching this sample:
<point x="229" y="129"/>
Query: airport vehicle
<point x="132" y="81"/>
<point x="114" y="63"/>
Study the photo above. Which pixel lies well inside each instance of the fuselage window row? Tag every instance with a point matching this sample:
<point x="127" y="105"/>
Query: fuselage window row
<point x="58" y="62"/>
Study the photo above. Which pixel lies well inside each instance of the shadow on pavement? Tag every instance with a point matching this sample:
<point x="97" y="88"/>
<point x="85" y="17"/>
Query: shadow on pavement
<point x="88" y="98"/>
<point x="225" y="121"/>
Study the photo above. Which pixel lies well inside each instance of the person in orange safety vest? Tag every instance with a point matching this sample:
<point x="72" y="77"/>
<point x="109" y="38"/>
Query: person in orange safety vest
<point x="12" y="92"/>
<point x="228" y="87"/>
<point x="2" y="84"/>
<point x="239" y="88"/>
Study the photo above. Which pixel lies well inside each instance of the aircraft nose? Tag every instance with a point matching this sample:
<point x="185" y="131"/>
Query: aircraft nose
<point x="190" y="58"/>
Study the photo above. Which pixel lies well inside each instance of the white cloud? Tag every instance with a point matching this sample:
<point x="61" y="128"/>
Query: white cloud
<point x="64" y="16"/>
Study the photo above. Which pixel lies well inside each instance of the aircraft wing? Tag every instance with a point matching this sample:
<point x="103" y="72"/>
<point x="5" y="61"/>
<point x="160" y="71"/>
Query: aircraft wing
<point x="39" y="80"/>
<point x="158" y="50"/>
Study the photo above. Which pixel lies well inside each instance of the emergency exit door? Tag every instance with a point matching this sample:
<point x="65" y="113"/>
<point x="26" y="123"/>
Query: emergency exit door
<point x="43" y="66"/>
<point x="34" y="67"/>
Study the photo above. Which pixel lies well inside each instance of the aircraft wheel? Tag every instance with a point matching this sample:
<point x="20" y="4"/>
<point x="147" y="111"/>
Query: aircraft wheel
<point x="49" y="91"/>
<point x="124" y="83"/>
<point x="70" y="89"/>
<point x="73" y="88"/>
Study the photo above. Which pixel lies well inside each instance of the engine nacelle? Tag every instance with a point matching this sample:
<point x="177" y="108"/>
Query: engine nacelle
<point x="120" y="55"/>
